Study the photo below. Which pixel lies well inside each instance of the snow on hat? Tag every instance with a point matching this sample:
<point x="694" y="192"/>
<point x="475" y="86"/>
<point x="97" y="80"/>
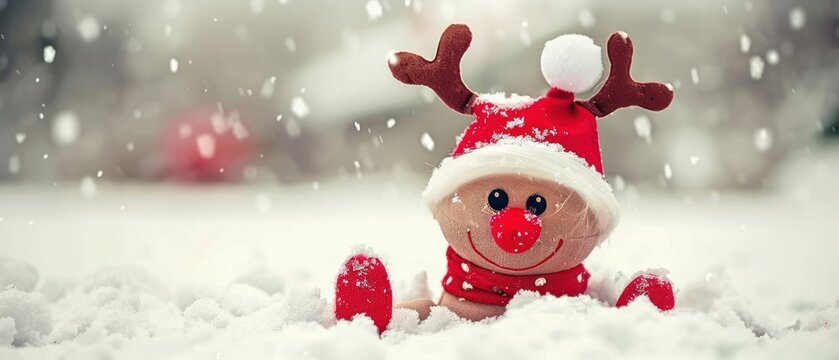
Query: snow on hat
<point x="553" y="137"/>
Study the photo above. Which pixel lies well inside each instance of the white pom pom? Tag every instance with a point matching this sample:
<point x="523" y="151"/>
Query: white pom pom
<point x="572" y="63"/>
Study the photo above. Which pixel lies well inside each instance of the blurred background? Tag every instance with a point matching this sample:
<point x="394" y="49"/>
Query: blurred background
<point x="289" y="91"/>
<point x="256" y="141"/>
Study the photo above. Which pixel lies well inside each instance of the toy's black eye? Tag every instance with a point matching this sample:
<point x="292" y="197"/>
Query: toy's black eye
<point x="497" y="199"/>
<point x="536" y="204"/>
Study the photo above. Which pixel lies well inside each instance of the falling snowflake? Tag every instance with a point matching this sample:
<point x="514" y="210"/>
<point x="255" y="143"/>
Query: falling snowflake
<point x="257" y="6"/>
<point x="65" y="128"/>
<point x="299" y="107"/>
<point x="268" y="87"/>
<point x="206" y="145"/>
<point x="448" y="10"/>
<point x="586" y="18"/>
<point x="525" y="34"/>
<point x="745" y="43"/>
<point x="427" y="142"/>
<point x="797" y="18"/>
<point x="620" y="183"/>
<point x="88" y="187"/>
<point x="292" y="128"/>
<point x="694" y="76"/>
<point x="763" y="140"/>
<point x="772" y="57"/>
<point x="756" y="66"/>
<point x="357" y="126"/>
<point x="668" y="171"/>
<point x="643" y="128"/>
<point x="374" y="10"/>
<point x="172" y="8"/>
<point x="391" y="123"/>
<point x="173" y="65"/>
<point x="668" y="16"/>
<point x="20" y="137"/>
<point x="49" y="54"/>
<point x="290" y="44"/>
<point x="14" y="164"/>
<point x="89" y="28"/>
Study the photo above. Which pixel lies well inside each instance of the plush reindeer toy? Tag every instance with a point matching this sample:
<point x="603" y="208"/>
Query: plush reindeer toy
<point x="522" y="199"/>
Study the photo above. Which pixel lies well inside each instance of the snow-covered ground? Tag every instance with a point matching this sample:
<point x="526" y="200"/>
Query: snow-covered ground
<point x="145" y="272"/>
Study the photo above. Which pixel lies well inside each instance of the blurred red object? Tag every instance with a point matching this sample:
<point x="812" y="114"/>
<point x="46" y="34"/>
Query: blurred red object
<point x="207" y="144"/>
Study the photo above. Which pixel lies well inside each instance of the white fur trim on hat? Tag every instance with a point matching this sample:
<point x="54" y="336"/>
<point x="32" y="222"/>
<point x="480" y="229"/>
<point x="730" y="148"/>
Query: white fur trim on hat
<point x="526" y="157"/>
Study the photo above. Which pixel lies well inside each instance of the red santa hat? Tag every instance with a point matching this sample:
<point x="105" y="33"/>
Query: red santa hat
<point x="553" y="137"/>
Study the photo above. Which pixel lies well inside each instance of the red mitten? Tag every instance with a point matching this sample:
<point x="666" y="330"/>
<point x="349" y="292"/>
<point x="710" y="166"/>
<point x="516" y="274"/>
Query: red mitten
<point x="655" y="286"/>
<point x="363" y="287"/>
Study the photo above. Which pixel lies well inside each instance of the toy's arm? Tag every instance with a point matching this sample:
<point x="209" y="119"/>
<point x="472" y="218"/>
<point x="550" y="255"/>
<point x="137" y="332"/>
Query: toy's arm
<point x="606" y="284"/>
<point x="617" y="289"/>
<point x="653" y="284"/>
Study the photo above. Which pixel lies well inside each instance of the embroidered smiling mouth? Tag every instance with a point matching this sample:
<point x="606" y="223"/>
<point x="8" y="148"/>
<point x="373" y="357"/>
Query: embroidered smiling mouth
<point x="475" y="248"/>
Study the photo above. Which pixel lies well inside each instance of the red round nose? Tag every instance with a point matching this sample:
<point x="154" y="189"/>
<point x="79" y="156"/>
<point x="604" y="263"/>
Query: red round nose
<point x="515" y="230"/>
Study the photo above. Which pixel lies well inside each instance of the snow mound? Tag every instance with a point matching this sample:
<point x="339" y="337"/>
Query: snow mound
<point x="90" y="316"/>
<point x="18" y="274"/>
<point x="125" y="302"/>
<point x="300" y="306"/>
<point x="242" y="299"/>
<point x="186" y="295"/>
<point x="824" y="319"/>
<point x="55" y="289"/>
<point x="730" y="304"/>
<point x="263" y="278"/>
<point x="29" y="316"/>
<point x="129" y="317"/>
<point x="208" y="311"/>
<point x="416" y="288"/>
<point x="7" y="331"/>
<point x="126" y="278"/>
<point x="304" y="305"/>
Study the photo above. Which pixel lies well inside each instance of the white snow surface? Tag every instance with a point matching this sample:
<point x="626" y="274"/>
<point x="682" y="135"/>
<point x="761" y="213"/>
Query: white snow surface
<point x="501" y="100"/>
<point x="204" y="273"/>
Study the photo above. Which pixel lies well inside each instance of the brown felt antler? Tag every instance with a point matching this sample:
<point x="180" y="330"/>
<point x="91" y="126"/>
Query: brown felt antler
<point x="441" y="74"/>
<point x="620" y="90"/>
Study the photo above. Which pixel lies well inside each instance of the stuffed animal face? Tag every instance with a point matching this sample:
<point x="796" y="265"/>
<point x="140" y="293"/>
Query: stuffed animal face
<point x="523" y="192"/>
<point x="516" y="225"/>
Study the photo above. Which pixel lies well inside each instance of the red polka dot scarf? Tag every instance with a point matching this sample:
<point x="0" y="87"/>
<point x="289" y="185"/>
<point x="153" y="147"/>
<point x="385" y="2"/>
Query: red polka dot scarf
<point x="468" y="281"/>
